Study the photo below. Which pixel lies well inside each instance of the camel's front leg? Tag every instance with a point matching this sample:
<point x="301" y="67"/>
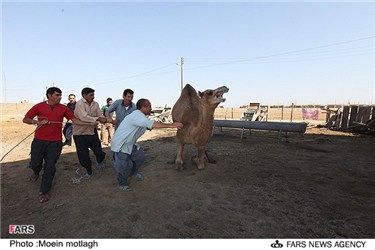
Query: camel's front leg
<point x="180" y="149"/>
<point x="201" y="154"/>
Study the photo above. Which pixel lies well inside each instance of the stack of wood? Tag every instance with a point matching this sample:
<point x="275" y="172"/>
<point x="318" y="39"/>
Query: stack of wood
<point x="332" y="118"/>
<point x="354" y="119"/>
<point x="362" y="128"/>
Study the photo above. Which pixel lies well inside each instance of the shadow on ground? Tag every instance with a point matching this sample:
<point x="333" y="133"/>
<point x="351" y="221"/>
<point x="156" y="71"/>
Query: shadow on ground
<point x="314" y="186"/>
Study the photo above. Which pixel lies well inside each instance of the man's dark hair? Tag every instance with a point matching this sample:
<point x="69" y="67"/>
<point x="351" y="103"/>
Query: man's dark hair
<point x="52" y="90"/>
<point x="128" y="91"/>
<point x="87" y="90"/>
<point x="141" y="102"/>
<point x="109" y="99"/>
<point x="72" y="95"/>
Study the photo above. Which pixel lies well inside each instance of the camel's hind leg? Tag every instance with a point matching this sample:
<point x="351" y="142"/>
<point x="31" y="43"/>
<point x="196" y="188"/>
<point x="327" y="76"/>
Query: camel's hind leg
<point x="179" y="162"/>
<point x="201" y="155"/>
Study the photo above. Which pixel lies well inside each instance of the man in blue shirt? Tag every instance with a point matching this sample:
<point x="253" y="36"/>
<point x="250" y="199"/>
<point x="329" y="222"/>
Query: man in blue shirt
<point x="122" y="107"/>
<point x="128" y="154"/>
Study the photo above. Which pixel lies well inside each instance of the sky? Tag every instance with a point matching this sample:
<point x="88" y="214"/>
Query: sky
<point x="267" y="52"/>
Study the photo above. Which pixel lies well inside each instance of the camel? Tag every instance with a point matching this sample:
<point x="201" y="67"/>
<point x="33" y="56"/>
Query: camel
<point x="196" y="112"/>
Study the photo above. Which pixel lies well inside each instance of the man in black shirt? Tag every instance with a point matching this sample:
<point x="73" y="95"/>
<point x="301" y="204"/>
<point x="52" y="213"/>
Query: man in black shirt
<point x="68" y="129"/>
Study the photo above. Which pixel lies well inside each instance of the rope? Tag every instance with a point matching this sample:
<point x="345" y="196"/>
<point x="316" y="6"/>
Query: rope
<point x="39" y="126"/>
<point x="78" y="180"/>
<point x="2" y="158"/>
<point x="50" y="121"/>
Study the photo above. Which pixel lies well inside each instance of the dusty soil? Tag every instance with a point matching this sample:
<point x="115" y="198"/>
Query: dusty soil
<point x="318" y="185"/>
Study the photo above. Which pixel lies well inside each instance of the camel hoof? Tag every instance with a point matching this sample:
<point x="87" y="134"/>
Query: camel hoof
<point x="200" y="167"/>
<point x="179" y="162"/>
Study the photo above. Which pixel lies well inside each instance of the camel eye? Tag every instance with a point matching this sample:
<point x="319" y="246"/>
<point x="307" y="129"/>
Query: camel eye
<point x="210" y="93"/>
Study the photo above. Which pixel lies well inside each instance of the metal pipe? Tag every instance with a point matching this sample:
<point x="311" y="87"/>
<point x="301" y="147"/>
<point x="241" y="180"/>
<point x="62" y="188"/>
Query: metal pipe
<point x="299" y="127"/>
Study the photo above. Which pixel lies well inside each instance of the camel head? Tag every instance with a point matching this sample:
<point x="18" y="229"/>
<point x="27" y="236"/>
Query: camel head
<point x="213" y="96"/>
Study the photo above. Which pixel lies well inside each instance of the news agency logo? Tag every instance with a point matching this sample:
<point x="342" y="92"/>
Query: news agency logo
<point x="276" y="244"/>
<point x="21" y="229"/>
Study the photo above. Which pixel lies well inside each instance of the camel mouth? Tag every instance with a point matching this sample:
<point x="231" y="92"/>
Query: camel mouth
<point x="219" y="94"/>
<point x="220" y="98"/>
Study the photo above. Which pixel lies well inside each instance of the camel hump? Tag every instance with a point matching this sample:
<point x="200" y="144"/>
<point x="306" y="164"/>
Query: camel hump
<point x="186" y="109"/>
<point x="188" y="92"/>
<point x="188" y="88"/>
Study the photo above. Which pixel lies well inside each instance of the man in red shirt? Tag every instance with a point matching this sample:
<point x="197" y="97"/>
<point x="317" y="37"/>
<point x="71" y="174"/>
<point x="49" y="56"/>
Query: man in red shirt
<point x="47" y="143"/>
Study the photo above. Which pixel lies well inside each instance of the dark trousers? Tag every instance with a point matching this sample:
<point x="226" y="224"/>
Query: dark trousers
<point x="49" y="151"/>
<point x="68" y="132"/>
<point x="83" y="144"/>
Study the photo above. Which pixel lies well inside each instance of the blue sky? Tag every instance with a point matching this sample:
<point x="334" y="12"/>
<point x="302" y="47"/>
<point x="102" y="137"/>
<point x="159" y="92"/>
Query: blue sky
<point x="267" y="52"/>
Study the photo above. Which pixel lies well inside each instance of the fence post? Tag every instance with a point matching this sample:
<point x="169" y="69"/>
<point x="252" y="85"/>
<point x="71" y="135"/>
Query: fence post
<point x="291" y="113"/>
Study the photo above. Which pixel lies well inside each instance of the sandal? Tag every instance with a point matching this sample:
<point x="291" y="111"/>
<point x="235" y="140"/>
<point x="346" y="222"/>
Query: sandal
<point x="43" y="198"/>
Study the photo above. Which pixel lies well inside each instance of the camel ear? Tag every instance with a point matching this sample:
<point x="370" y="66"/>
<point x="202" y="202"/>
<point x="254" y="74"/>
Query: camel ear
<point x="200" y="94"/>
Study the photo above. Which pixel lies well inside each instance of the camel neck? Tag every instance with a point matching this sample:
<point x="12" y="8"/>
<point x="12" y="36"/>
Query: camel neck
<point x="207" y="116"/>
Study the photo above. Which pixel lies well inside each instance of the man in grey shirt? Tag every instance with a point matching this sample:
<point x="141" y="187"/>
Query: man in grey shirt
<point x="122" y="107"/>
<point x="128" y="154"/>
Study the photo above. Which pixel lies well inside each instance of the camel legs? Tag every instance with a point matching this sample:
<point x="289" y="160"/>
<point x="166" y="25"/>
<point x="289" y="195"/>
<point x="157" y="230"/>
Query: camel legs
<point x="198" y="160"/>
<point x="201" y="155"/>
<point x="180" y="149"/>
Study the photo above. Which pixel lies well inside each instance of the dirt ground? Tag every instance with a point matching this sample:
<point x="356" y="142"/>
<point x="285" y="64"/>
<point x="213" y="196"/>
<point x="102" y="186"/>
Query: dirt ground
<point x="317" y="185"/>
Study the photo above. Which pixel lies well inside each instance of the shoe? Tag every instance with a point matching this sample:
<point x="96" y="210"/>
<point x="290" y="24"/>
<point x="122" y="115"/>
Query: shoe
<point x="138" y="177"/>
<point x="124" y="188"/>
<point x="100" y="165"/>
<point x="43" y="197"/>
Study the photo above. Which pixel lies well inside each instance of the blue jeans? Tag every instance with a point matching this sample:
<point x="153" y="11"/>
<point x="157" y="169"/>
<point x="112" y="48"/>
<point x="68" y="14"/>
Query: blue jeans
<point x="68" y="132"/>
<point x="127" y="165"/>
